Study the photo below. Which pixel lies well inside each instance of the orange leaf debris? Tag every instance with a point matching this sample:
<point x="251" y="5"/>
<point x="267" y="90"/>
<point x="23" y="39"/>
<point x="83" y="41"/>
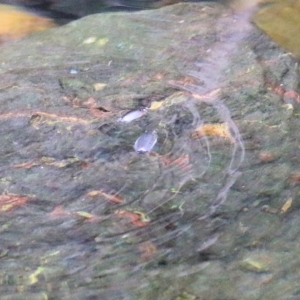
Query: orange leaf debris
<point x="136" y="218"/>
<point x="217" y="129"/>
<point x="26" y="165"/>
<point x="295" y="178"/>
<point x="58" y="211"/>
<point x="148" y="249"/>
<point x="183" y="161"/>
<point x="16" y="23"/>
<point x="89" y="217"/>
<point x="111" y="198"/>
<point x="9" y="202"/>
<point x="266" y="156"/>
<point x="286" y="206"/>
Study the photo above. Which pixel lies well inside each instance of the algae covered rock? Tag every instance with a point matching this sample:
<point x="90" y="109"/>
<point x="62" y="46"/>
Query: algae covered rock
<point x="281" y="21"/>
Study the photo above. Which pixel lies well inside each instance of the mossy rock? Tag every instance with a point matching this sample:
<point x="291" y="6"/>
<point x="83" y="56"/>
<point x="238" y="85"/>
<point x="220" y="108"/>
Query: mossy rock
<point x="281" y="21"/>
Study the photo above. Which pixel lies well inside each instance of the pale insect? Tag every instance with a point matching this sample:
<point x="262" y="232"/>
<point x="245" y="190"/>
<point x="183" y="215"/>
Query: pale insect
<point x="145" y="142"/>
<point x="133" y="115"/>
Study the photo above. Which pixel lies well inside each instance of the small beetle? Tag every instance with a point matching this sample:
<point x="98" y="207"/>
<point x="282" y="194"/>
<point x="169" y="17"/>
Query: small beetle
<point x="133" y="115"/>
<point x="145" y="142"/>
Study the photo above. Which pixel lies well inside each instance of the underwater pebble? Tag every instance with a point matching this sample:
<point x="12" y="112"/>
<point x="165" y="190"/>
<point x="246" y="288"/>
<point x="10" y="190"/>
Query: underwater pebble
<point x="133" y="115"/>
<point x="145" y="142"/>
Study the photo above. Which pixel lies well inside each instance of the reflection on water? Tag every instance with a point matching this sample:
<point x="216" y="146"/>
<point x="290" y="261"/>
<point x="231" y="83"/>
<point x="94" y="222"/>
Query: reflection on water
<point x="170" y="196"/>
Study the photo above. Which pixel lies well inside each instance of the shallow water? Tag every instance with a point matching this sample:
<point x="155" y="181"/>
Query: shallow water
<point x="204" y="215"/>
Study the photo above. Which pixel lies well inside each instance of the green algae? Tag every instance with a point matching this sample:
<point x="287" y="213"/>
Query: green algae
<point x="281" y="22"/>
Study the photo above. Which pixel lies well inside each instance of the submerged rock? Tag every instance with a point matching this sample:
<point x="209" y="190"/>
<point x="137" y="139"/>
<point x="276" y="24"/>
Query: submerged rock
<point x="90" y="196"/>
